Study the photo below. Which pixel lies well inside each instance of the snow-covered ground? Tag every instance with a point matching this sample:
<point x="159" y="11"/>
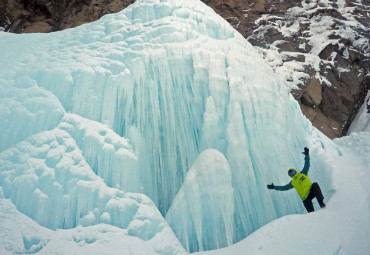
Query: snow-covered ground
<point x="155" y="131"/>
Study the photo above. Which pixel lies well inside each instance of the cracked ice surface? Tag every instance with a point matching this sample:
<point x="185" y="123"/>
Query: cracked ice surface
<point x="128" y="104"/>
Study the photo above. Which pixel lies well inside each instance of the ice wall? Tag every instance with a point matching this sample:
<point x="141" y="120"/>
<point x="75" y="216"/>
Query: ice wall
<point x="149" y="89"/>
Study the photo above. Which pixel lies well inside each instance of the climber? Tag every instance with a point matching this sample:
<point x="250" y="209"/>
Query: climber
<point x="368" y="105"/>
<point x="303" y="185"/>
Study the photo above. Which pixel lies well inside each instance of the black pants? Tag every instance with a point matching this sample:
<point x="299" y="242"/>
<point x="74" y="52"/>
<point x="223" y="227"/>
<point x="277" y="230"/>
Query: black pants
<point x="314" y="192"/>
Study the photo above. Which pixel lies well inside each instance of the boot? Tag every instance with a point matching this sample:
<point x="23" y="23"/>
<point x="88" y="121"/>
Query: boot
<point x="322" y="205"/>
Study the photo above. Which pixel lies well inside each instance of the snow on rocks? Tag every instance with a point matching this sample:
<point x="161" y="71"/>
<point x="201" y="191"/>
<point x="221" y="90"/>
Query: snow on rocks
<point x="319" y="41"/>
<point x="313" y="28"/>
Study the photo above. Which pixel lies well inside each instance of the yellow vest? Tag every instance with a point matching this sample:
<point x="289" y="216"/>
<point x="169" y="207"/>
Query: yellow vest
<point x="302" y="184"/>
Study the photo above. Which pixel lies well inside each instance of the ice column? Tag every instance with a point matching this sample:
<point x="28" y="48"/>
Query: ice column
<point x="204" y="204"/>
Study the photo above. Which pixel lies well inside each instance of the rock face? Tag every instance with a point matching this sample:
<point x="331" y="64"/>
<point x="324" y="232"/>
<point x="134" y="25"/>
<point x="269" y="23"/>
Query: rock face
<point x="319" y="48"/>
<point x="28" y="16"/>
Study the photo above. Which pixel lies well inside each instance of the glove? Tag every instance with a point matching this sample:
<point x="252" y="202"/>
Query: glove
<point x="306" y="151"/>
<point x="270" y="186"/>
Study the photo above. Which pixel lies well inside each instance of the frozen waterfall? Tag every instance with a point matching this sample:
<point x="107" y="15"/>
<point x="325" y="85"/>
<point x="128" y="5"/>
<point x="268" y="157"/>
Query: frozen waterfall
<point x="130" y="103"/>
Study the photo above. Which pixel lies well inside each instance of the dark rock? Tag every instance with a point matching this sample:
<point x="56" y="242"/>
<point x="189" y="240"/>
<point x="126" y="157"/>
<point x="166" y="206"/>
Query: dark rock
<point x="29" y="16"/>
<point x="290" y="46"/>
<point x="272" y="35"/>
<point x="4" y="20"/>
<point x="331" y="103"/>
<point x="326" y="53"/>
<point x="312" y="95"/>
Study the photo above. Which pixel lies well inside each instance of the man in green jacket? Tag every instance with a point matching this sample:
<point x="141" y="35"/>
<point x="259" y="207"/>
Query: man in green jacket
<point x="303" y="185"/>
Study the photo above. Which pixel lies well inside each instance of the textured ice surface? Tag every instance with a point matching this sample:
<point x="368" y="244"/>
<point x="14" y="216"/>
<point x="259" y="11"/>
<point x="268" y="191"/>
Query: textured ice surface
<point x="108" y="154"/>
<point x="204" y="204"/>
<point x="20" y="235"/>
<point x="48" y="179"/>
<point x="22" y="110"/>
<point x="127" y="104"/>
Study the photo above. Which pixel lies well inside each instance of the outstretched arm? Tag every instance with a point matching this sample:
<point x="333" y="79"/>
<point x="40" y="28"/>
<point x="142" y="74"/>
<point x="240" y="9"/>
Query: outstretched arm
<point x="285" y="187"/>
<point x="306" y="166"/>
<point x="281" y="188"/>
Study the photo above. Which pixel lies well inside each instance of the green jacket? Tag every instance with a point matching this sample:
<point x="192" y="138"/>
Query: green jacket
<point x="300" y="181"/>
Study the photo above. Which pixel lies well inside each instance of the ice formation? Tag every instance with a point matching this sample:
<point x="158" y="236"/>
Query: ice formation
<point x="48" y="179"/>
<point x="205" y="204"/>
<point x="362" y="121"/>
<point x="128" y="104"/>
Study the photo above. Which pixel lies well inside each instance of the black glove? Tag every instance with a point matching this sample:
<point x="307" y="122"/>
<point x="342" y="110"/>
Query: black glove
<point x="270" y="186"/>
<point x="306" y="151"/>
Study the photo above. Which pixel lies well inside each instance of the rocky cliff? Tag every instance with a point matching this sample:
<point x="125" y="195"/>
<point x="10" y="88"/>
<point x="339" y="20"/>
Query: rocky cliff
<point x="319" y="48"/>
<point x="28" y="16"/>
